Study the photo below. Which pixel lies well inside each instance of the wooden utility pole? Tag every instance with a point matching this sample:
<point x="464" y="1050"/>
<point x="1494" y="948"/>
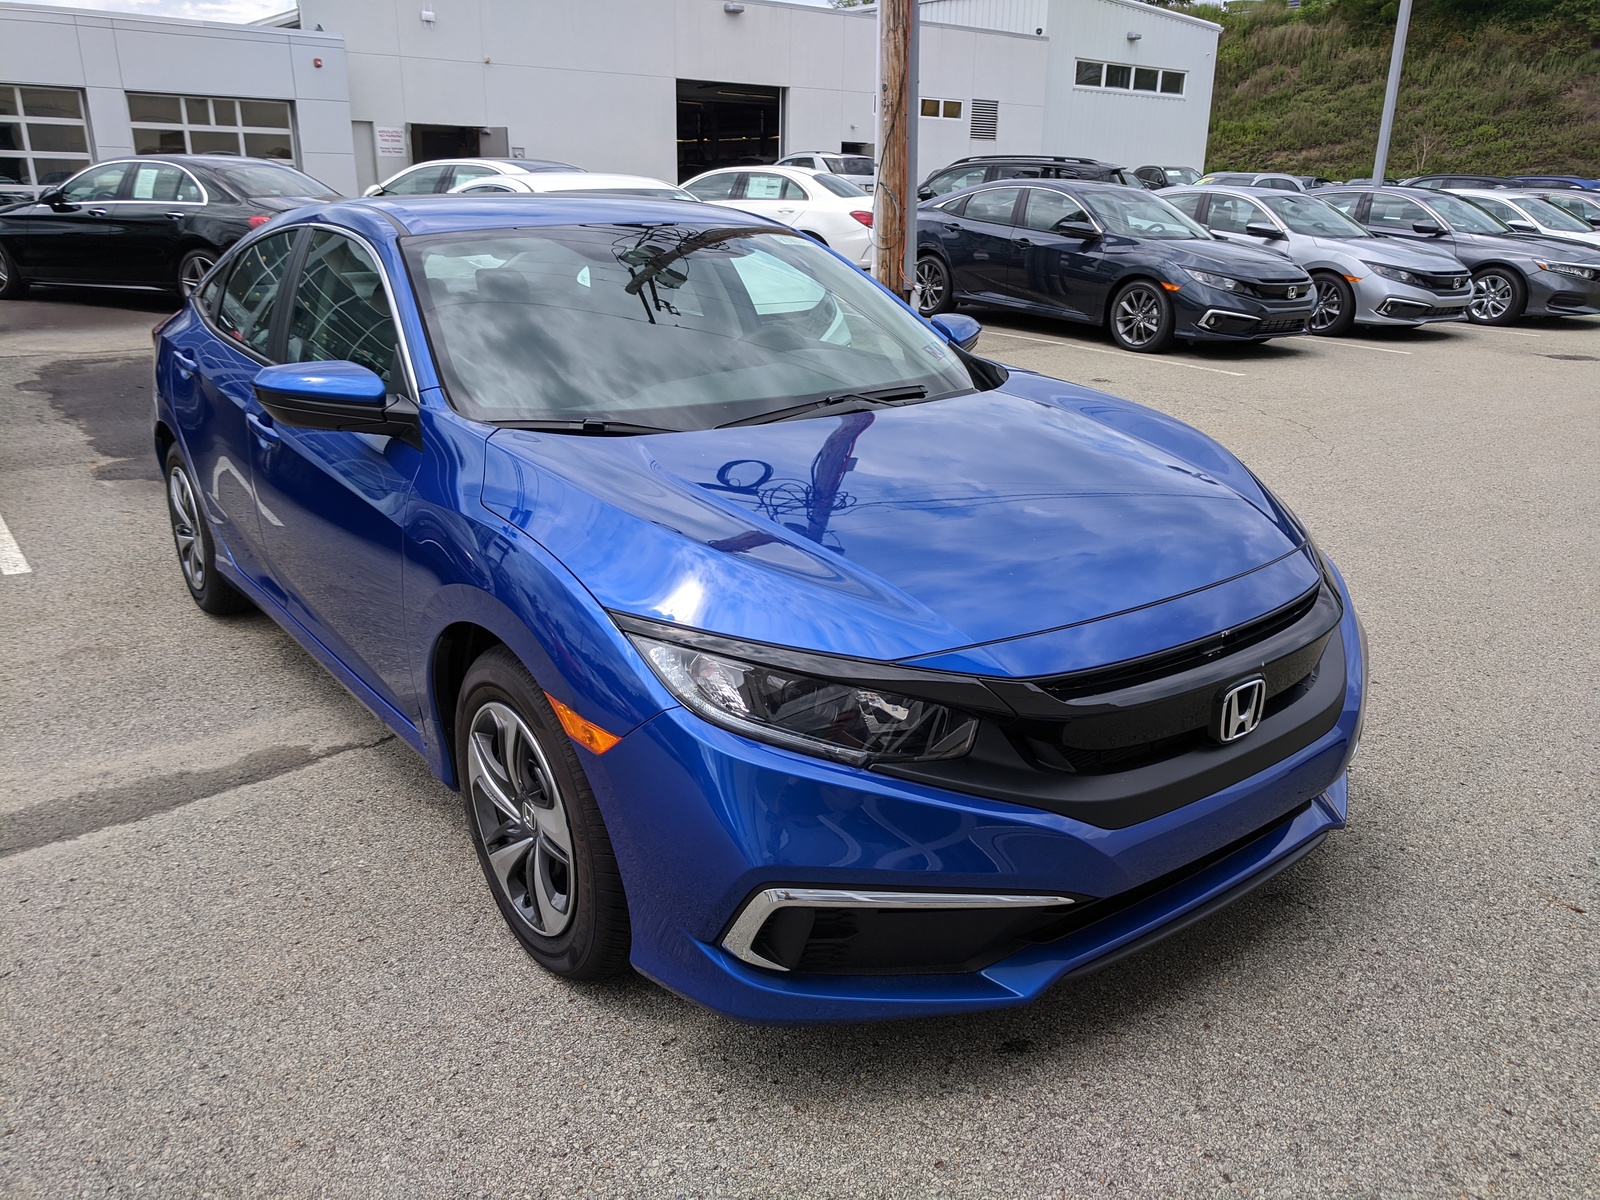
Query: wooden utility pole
<point x="894" y="201"/>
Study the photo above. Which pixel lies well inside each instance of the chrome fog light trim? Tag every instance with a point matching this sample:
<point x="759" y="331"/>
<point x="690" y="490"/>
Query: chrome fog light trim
<point x="1211" y="315"/>
<point x="740" y="938"/>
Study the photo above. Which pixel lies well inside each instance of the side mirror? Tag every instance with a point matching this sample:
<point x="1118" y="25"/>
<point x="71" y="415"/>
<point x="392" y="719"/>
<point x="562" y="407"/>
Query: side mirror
<point x="958" y="329"/>
<point x="1523" y="226"/>
<point x="924" y="193"/>
<point x="375" y="190"/>
<point x="1261" y="229"/>
<point x="53" y="197"/>
<point x="1077" y="229"/>
<point x="1430" y="228"/>
<point x="1595" y="221"/>
<point x="332" y="395"/>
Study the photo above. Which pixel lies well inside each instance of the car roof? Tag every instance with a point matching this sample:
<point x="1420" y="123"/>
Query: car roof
<point x="557" y="181"/>
<point x="527" y="165"/>
<point x="1032" y="158"/>
<point x="204" y="160"/>
<point x="454" y="212"/>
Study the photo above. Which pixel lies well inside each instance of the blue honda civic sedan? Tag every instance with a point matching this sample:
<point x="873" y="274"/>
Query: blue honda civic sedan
<point x="780" y="646"/>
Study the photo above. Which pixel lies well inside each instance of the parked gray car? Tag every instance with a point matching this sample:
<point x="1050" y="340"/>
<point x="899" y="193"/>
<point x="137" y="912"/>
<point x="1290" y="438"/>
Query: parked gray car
<point x="1361" y="279"/>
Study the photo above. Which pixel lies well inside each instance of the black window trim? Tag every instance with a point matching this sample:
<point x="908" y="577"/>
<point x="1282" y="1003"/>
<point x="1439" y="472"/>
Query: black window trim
<point x="230" y="261"/>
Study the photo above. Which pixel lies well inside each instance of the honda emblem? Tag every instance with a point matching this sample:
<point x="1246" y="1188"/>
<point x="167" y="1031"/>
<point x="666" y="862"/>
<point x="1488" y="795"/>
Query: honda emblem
<point x="1239" y="710"/>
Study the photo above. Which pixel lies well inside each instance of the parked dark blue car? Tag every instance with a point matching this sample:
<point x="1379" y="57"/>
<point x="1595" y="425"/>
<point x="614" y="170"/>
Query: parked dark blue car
<point x="1107" y="255"/>
<point x="780" y="646"/>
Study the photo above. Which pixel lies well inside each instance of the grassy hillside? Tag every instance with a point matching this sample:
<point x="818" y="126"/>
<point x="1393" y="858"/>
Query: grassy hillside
<point x="1301" y="91"/>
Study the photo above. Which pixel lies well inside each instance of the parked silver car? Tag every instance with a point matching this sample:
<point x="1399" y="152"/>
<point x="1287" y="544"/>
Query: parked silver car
<point x="1362" y="279"/>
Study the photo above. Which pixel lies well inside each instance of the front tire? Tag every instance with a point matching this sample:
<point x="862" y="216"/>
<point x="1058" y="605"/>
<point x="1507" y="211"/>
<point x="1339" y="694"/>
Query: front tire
<point x="538" y="832"/>
<point x="197" y="553"/>
<point x="1141" y="318"/>
<point x="1335" y="311"/>
<point x="192" y="268"/>
<point x="934" y="291"/>
<point x="1499" y="296"/>
<point x="12" y="285"/>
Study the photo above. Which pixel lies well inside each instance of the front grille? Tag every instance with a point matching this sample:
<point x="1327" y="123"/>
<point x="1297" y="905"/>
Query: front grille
<point x="1442" y="283"/>
<point x="1279" y="289"/>
<point x="1445" y="310"/>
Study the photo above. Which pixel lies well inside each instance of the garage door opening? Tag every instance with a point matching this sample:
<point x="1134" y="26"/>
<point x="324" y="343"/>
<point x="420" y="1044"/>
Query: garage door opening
<point x="429" y="142"/>
<point x="726" y="124"/>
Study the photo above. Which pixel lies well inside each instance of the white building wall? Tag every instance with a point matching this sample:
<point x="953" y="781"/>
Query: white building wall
<point x="108" y="55"/>
<point x="1013" y="16"/>
<point x="1130" y="128"/>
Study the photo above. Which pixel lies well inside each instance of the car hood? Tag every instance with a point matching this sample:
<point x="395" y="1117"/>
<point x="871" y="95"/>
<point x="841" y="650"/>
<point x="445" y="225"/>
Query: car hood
<point x="906" y="532"/>
<point x="1533" y="245"/>
<point x="1393" y="252"/>
<point x="1230" y="258"/>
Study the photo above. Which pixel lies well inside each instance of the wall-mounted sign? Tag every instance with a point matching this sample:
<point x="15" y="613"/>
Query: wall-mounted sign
<point x="391" y="142"/>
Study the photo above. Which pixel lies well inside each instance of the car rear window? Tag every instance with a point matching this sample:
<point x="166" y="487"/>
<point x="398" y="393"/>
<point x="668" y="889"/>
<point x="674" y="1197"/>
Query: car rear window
<point x="251" y="181"/>
<point x="839" y="187"/>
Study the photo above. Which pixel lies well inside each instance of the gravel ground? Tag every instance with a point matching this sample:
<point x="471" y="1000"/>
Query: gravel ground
<point x="247" y="951"/>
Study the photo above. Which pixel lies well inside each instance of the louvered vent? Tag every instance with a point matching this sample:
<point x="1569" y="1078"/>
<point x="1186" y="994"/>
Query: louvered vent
<point x="985" y="120"/>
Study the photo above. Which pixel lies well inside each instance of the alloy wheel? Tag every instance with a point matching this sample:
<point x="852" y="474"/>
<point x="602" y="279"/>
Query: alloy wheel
<point x="5" y="273"/>
<point x="931" y="281"/>
<point x="522" y="818"/>
<point x="193" y="271"/>
<point x="186" y="528"/>
<point x="1492" y="297"/>
<point x="1138" y="316"/>
<point x="1328" y="309"/>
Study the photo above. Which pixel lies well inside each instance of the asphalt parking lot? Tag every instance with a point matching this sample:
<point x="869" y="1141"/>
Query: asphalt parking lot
<point x="247" y="948"/>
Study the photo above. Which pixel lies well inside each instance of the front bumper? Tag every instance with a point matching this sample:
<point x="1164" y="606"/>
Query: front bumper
<point x="1556" y="294"/>
<point x="1381" y="301"/>
<point x="1210" y="314"/>
<point x="705" y="821"/>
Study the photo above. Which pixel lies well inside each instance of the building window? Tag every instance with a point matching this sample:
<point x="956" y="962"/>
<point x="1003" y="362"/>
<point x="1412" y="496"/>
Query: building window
<point x="985" y="120"/>
<point x="43" y="137"/>
<point x="945" y="110"/>
<point x="1129" y="78"/>
<point x="210" y="125"/>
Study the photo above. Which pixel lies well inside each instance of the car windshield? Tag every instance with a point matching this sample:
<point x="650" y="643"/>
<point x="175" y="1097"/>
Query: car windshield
<point x="839" y="187"/>
<point x="275" y="181"/>
<point x="1310" y="216"/>
<point x="1182" y="175"/>
<point x="1579" y="206"/>
<point x="848" y="164"/>
<point x="1142" y="215"/>
<point x="676" y="326"/>
<point x="1551" y="217"/>
<point x="1465" y="216"/>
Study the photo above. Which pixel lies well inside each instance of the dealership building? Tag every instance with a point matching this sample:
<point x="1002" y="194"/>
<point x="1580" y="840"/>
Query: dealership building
<point x="353" y="90"/>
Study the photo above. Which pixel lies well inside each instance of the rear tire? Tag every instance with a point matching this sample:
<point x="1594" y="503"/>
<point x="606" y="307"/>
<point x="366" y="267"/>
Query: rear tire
<point x="1141" y="318"/>
<point x="934" y="291"/>
<point x="12" y="285"/>
<point x="191" y="534"/>
<point x="1335" y="311"/>
<point x="1499" y="296"/>
<point x="537" y="829"/>
<point x="192" y="268"/>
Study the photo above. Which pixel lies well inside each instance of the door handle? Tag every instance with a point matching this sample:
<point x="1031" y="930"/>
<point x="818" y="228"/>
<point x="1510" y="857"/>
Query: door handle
<point x="186" y="365"/>
<point x="952" y="227"/>
<point x="1024" y="242"/>
<point x="261" y="425"/>
<point x="177" y="216"/>
<point x="98" y="212"/>
<point x="784" y="212"/>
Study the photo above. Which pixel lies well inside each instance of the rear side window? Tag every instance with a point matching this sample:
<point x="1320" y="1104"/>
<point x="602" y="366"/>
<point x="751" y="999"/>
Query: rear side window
<point x="244" y="311"/>
<point x="159" y="182"/>
<point x="341" y="310"/>
<point x="954" y="181"/>
<point x="761" y="186"/>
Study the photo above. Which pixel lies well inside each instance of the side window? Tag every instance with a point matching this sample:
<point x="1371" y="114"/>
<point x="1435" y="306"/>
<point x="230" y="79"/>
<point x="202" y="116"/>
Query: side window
<point x="1018" y="171"/>
<point x="713" y="187"/>
<point x="954" y="181"/>
<point x="994" y="205"/>
<point x="1495" y="208"/>
<point x="157" y="182"/>
<point x="244" y="310"/>
<point x="1345" y="203"/>
<point x="1230" y="214"/>
<point x="775" y="287"/>
<point x="1046" y="210"/>
<point x="1394" y="212"/>
<point x="97" y="183"/>
<point x="758" y="185"/>
<point x="1282" y="185"/>
<point x="420" y="182"/>
<point x="1188" y="205"/>
<point x="465" y="173"/>
<point x="341" y="311"/>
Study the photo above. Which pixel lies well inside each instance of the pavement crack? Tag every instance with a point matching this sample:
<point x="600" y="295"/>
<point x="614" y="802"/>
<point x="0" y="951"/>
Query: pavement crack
<point x="86" y="812"/>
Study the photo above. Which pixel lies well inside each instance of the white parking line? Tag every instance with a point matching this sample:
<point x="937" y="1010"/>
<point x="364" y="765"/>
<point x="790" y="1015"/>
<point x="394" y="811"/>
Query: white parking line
<point x="11" y="560"/>
<point x="1363" y="346"/>
<point x="1122" y="354"/>
<point x="1512" y="332"/>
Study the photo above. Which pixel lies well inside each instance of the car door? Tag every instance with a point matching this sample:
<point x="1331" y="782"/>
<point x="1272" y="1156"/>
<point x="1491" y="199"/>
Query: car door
<point x="157" y="213"/>
<point x="774" y="196"/>
<point x="1062" y="270"/>
<point x="985" y="253"/>
<point x="333" y="549"/>
<point x="209" y="379"/>
<point x="74" y="238"/>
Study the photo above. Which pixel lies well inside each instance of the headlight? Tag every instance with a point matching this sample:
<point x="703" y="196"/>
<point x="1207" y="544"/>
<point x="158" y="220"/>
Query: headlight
<point x="1577" y="269"/>
<point x="1397" y="274"/>
<point x="816" y="716"/>
<point x="1216" y="281"/>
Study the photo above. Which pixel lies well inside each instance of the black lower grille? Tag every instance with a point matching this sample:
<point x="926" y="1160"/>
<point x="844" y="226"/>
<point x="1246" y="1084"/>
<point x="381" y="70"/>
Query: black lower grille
<point x="1445" y="310"/>
<point x="1282" y="325"/>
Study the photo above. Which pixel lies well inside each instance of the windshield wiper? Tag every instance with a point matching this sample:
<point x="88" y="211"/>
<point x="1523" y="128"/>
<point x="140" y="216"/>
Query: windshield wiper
<point x="591" y="426"/>
<point x="882" y="398"/>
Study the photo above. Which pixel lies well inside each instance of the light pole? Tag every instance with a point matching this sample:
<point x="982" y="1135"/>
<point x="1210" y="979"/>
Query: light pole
<point x="1392" y="93"/>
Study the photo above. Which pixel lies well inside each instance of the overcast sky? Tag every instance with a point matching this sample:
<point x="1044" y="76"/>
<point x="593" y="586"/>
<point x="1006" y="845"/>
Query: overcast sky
<point x="214" y="10"/>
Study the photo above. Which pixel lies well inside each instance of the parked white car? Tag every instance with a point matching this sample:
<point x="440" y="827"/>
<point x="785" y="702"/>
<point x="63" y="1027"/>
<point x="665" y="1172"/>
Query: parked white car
<point x="1527" y="213"/>
<point x="589" y="183"/>
<point x="857" y="168"/>
<point x="447" y="174"/>
<point x="832" y="210"/>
